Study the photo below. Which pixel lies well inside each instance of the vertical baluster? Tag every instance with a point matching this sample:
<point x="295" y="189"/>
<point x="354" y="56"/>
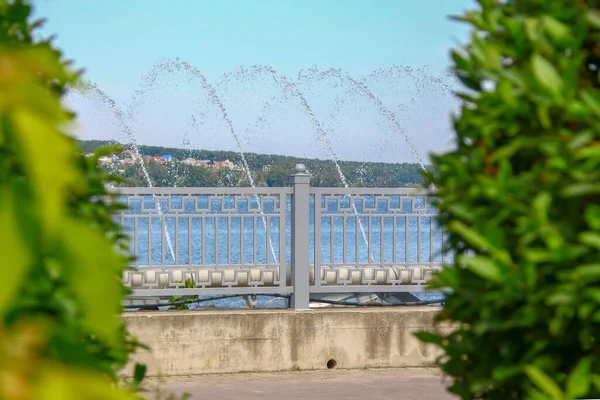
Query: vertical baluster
<point x="331" y="239"/>
<point x="394" y="242"/>
<point x="344" y="260"/>
<point x="318" y="241"/>
<point x="381" y="238"/>
<point x="190" y="261"/>
<point x="176" y="222"/>
<point x="229" y="239"/>
<point x="203" y="242"/>
<point x="282" y="244"/>
<point x="268" y="238"/>
<point x="255" y="241"/>
<point x="369" y="240"/>
<point x="419" y="239"/>
<point x="135" y="241"/>
<point x="163" y="225"/>
<point x="356" y="239"/>
<point x="242" y="255"/>
<point x="216" y="240"/>
<point x="149" y="240"/>
<point x="406" y="246"/>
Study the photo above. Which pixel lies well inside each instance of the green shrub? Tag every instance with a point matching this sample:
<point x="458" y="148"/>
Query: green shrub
<point x="60" y="332"/>
<point x="189" y="284"/>
<point x="520" y="199"/>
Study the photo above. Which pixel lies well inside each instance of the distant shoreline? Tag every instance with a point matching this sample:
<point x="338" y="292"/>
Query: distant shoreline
<point x="170" y="166"/>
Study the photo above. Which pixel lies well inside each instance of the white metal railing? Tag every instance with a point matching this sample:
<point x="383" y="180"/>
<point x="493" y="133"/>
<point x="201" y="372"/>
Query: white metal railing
<point x="298" y="240"/>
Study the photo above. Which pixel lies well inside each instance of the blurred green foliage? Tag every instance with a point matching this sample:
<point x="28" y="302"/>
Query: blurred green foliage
<point x="520" y="199"/>
<point x="61" y="336"/>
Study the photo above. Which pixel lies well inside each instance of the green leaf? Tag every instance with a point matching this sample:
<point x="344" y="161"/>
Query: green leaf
<point x="461" y="211"/>
<point x="592" y="293"/>
<point x="473" y="17"/>
<point x="537" y="255"/>
<point x="584" y="312"/>
<point x="429" y="337"/>
<point x="544" y="382"/>
<point x="543" y="113"/>
<point x="541" y="205"/>
<point x="53" y="163"/>
<point x="546" y="75"/>
<point x="479" y="385"/>
<point x="471" y="236"/>
<point x="58" y="382"/>
<point x="579" y="380"/>
<point x="593" y="17"/>
<point x="587" y="152"/>
<point x="503" y="373"/>
<point x="581" y="189"/>
<point x="495" y="235"/>
<point x="581" y="140"/>
<point x="555" y="28"/>
<point x="16" y="256"/>
<point x="592" y="100"/>
<point x="592" y="216"/>
<point x="590" y="238"/>
<point x="94" y="268"/>
<point x="485" y="267"/>
<point x="535" y="394"/>
<point x="532" y="29"/>
<point x="509" y="149"/>
<point x="139" y="373"/>
<point x="478" y="241"/>
<point x="560" y="298"/>
<point x="596" y="381"/>
<point x="577" y="109"/>
<point x="587" y="271"/>
<point x="492" y="57"/>
<point x="460" y="61"/>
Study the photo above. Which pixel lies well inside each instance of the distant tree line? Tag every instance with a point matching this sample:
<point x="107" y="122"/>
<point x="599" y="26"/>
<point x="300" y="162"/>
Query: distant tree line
<point x="277" y="174"/>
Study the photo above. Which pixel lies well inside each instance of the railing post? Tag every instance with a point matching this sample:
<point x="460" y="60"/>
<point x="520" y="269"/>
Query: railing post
<point x="300" y="239"/>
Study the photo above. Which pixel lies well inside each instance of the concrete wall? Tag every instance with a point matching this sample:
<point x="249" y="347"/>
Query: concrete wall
<point x="227" y="341"/>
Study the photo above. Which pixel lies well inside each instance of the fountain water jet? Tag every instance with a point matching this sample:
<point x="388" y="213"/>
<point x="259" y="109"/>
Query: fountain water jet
<point x="327" y="144"/>
<point x="91" y="87"/>
<point x="382" y="108"/>
<point x="169" y="66"/>
<point x="362" y="87"/>
<point x="290" y="87"/>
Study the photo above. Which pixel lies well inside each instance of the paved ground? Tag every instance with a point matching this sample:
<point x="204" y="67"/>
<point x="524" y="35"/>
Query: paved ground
<point x="383" y="384"/>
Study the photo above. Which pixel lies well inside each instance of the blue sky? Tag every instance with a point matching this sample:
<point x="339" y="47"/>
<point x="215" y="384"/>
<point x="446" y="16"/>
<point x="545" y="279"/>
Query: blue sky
<point x="118" y="41"/>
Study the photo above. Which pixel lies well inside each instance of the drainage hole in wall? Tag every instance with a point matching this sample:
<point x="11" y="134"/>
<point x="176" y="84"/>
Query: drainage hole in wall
<point x="331" y="364"/>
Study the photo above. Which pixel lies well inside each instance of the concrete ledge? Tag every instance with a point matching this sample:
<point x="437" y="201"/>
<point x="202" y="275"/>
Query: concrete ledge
<point x="231" y="341"/>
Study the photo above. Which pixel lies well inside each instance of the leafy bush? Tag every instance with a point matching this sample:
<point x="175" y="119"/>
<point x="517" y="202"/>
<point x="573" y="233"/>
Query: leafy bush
<point x="520" y="199"/>
<point x="189" y="284"/>
<point x="60" y="332"/>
